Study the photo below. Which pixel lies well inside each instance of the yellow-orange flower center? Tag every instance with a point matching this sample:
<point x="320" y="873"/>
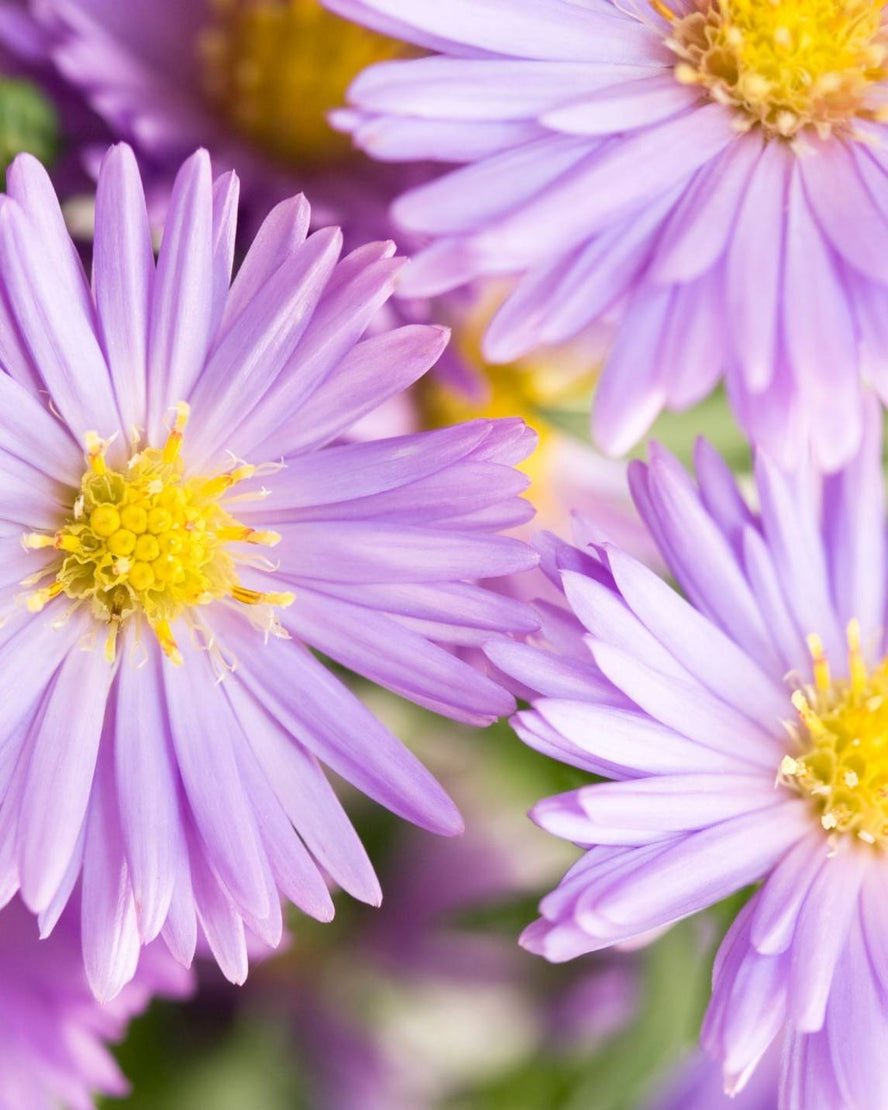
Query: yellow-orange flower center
<point x="275" y="68"/>
<point x="841" y="734"/>
<point x="784" y="64"/>
<point x="547" y="389"/>
<point x="149" y="541"/>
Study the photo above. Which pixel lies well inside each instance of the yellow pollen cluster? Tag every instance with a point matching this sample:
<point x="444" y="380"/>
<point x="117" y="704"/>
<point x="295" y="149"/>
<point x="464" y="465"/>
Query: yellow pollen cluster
<point x="842" y="736"/>
<point x="148" y="541"/>
<point x="784" y="64"/>
<point x="275" y="68"/>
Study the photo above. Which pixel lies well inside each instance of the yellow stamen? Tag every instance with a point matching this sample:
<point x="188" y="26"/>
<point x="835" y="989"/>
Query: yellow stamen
<point x="223" y="482"/>
<point x="253" y="597"/>
<point x="95" y="452"/>
<point x="821" y="666"/>
<point x="148" y="540"/>
<point x="111" y="641"/>
<point x="167" y="642"/>
<point x="855" y="658"/>
<point x="661" y="9"/>
<point x="250" y="535"/>
<point x="173" y="445"/>
<point x="785" y="65"/>
<point x="39" y="599"/>
<point x="841" y="764"/>
<point x="34" y="541"/>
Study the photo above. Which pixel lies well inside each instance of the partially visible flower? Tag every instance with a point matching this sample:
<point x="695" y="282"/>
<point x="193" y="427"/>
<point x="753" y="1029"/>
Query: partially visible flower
<point x="252" y="80"/>
<point x="399" y="1015"/>
<point x="745" y="730"/>
<point x="53" y="1033"/>
<point x="572" y="485"/>
<point x="699" y="172"/>
<point x="165" y="732"/>
<point x="39" y="112"/>
<point x="696" y="1084"/>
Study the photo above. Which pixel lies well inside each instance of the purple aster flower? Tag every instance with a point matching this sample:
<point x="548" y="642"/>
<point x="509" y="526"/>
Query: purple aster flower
<point x="697" y="1085"/>
<point x="134" y="538"/>
<point x="252" y="80"/>
<point x="53" y="1033"/>
<point x="700" y="172"/>
<point x="744" y="729"/>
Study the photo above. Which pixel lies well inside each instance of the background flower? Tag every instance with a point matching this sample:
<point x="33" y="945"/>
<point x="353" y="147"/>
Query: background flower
<point x="39" y="111"/>
<point x="53" y="1033"/>
<point x="700" y="196"/>
<point x="252" y="80"/>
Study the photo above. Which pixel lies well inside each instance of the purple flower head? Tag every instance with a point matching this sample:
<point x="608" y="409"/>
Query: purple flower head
<point x="164" y="722"/>
<point x="53" y="1033"/>
<point x="701" y="173"/>
<point x="252" y="80"/>
<point x="744" y="729"/>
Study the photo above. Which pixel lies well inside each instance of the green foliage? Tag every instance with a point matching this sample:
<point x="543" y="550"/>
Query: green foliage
<point x="28" y="122"/>
<point x="198" y="1056"/>
<point x="677" y="431"/>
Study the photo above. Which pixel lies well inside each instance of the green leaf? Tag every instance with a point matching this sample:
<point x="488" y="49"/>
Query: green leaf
<point x="677" y="431"/>
<point x="28" y="122"/>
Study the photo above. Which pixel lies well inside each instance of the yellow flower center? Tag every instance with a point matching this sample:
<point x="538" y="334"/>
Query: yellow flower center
<point x="551" y="385"/>
<point x="149" y="541"/>
<point x="274" y="69"/>
<point x="842" y="736"/>
<point x="783" y="64"/>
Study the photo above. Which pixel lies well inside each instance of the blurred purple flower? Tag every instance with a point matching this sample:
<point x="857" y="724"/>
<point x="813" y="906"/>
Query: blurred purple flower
<point x="697" y="1085"/>
<point x="747" y="740"/>
<point x="633" y="162"/>
<point x="53" y="1033"/>
<point x="399" y="1018"/>
<point x="252" y="80"/>
<point x="25" y="56"/>
<point x="119" y="764"/>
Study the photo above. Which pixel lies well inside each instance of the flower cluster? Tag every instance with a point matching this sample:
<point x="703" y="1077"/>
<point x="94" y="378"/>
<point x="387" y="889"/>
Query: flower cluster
<point x="257" y="513"/>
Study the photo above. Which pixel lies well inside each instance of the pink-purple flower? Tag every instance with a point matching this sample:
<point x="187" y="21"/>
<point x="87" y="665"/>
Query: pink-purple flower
<point x="708" y="176"/>
<point x="179" y="527"/>
<point x="53" y="1033"/>
<point x="251" y="80"/>
<point x="743" y="726"/>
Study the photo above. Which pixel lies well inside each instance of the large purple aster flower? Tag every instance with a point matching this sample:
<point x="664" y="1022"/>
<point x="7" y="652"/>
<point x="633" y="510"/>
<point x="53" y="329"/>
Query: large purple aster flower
<point x="702" y="172"/>
<point x="746" y="730"/>
<point x="135" y="575"/>
<point x="53" y="1033"/>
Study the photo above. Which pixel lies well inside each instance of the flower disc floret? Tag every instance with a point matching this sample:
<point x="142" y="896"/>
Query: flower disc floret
<point x="150" y="540"/>
<point x="784" y="65"/>
<point x="842" y="737"/>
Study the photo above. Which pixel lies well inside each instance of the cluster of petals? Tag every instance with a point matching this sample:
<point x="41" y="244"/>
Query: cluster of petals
<point x="614" y="192"/>
<point x="53" y="1033"/>
<point x="683" y="702"/>
<point x="179" y="803"/>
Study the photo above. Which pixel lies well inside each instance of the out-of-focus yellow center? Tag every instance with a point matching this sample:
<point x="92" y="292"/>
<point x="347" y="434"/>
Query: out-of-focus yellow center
<point x="275" y="68"/>
<point x="150" y="541"/>
<point x="555" y="381"/>
<point x="842" y="737"/>
<point x="783" y="64"/>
